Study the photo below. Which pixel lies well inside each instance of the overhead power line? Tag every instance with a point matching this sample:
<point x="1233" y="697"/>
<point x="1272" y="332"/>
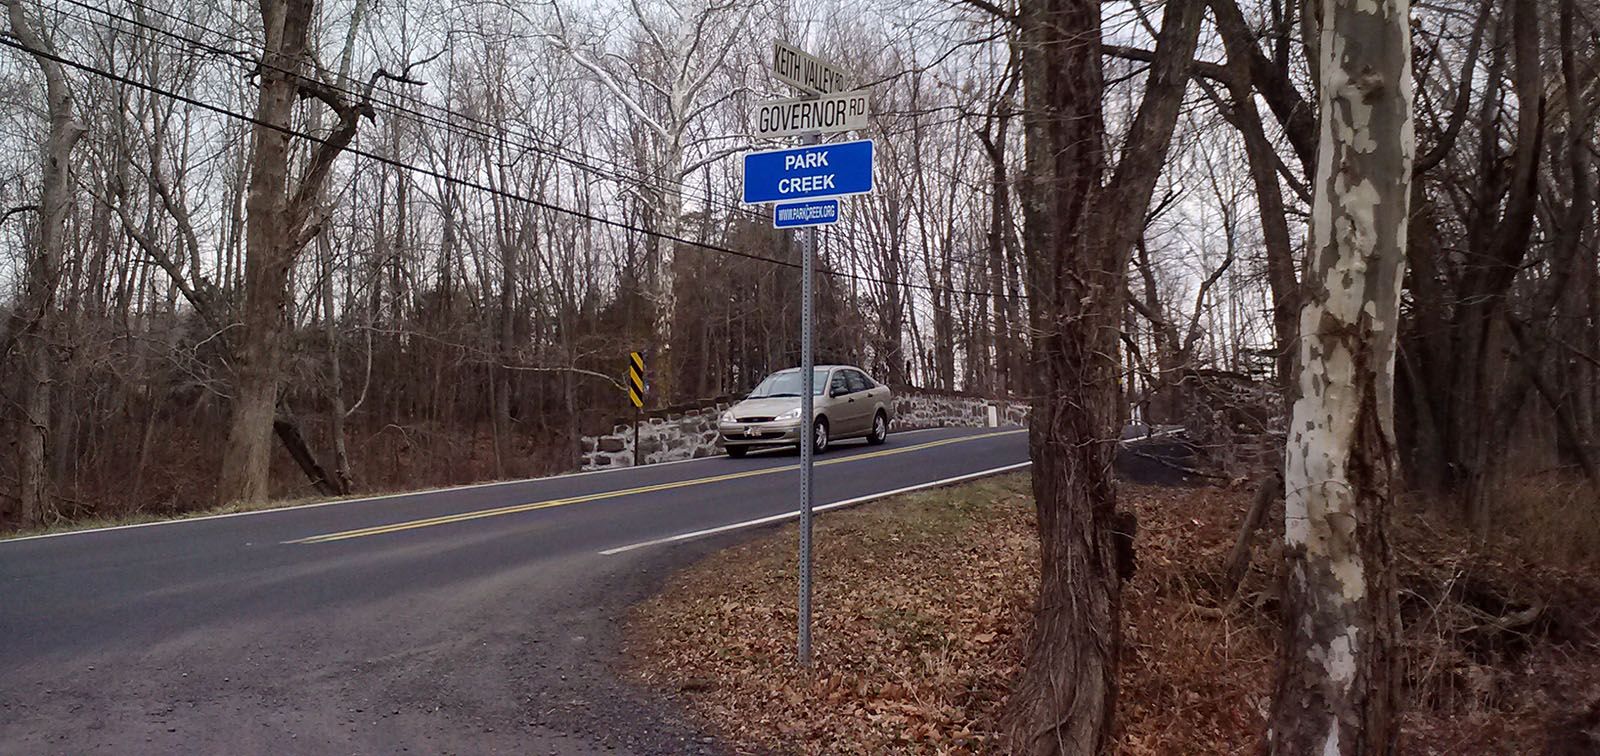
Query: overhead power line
<point x="454" y="120"/>
<point x="449" y="118"/>
<point x="447" y="178"/>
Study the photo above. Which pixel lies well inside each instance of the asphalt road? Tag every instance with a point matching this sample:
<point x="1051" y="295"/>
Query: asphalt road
<point x="482" y="619"/>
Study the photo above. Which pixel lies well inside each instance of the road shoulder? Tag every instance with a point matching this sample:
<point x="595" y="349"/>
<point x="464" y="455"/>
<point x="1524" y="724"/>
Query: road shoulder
<point x="922" y="604"/>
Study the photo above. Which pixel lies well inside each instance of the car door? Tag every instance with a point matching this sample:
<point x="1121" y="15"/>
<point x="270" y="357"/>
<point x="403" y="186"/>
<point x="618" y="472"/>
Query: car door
<point x="840" y="409"/>
<point x="855" y="404"/>
<point x="865" y="393"/>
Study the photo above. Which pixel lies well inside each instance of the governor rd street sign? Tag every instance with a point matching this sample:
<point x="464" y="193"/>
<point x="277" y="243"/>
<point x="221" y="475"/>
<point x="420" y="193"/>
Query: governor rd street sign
<point x="812" y="115"/>
<point x="813" y="213"/>
<point x="800" y="69"/>
<point x="821" y="170"/>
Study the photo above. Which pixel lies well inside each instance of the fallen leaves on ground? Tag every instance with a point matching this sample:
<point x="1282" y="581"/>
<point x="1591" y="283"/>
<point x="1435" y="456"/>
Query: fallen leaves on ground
<point x="922" y="605"/>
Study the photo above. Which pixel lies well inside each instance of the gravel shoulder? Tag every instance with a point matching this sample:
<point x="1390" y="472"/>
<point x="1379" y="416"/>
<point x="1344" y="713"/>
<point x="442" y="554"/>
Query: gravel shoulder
<point x="486" y="668"/>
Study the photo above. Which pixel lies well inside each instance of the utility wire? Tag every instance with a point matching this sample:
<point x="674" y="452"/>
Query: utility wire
<point x="487" y="131"/>
<point x="447" y="178"/>
<point x="449" y="121"/>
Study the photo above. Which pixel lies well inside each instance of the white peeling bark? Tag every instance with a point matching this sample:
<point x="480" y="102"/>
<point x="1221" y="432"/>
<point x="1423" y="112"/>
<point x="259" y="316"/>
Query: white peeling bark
<point x="1336" y="693"/>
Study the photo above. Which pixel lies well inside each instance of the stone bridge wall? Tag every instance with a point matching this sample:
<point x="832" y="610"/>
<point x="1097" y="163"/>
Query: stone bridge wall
<point x="938" y="409"/>
<point x="1236" y="423"/>
<point x="672" y="435"/>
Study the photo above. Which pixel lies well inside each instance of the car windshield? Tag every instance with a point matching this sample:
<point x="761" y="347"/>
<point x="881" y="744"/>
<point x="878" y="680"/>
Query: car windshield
<point x="787" y="383"/>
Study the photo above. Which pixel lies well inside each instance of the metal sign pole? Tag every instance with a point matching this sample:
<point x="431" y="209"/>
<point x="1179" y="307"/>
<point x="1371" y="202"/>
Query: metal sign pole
<point x="807" y="361"/>
<point x="805" y="188"/>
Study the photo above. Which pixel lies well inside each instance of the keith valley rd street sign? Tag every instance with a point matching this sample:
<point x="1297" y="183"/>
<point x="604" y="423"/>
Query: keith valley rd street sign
<point x="806" y="72"/>
<point x="811" y="172"/>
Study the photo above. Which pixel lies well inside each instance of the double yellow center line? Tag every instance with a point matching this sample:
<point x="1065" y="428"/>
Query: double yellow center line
<point x="517" y="508"/>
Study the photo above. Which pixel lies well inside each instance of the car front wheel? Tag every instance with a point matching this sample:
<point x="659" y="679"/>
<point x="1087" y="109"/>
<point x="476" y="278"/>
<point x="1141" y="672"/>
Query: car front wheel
<point x="880" y="429"/>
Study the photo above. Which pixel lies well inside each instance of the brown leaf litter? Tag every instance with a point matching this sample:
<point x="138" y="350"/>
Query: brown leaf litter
<point x="922" y="605"/>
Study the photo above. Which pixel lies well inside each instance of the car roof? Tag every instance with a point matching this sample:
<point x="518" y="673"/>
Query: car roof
<point x="818" y="367"/>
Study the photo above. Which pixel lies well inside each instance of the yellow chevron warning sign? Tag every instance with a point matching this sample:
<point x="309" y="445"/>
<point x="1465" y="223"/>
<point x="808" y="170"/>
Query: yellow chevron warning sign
<point x="636" y="379"/>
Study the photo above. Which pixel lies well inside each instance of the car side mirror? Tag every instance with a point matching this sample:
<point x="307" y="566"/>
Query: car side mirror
<point x="836" y="391"/>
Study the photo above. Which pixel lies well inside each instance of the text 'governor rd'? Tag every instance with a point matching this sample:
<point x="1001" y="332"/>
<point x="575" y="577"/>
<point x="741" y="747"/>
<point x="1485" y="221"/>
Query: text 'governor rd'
<point x="811" y="115"/>
<point x="800" y="173"/>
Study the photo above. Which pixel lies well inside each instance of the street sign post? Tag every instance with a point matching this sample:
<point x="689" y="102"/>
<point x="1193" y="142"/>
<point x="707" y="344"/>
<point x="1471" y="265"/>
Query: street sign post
<point x="806" y="72"/>
<point x="810" y="172"/>
<point x="812" y="115"/>
<point x="798" y="180"/>
<point x="803" y="214"/>
<point x="808" y="438"/>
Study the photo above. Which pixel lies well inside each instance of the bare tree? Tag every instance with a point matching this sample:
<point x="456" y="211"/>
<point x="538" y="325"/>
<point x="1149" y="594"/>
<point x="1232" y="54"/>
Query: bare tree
<point x="280" y="222"/>
<point x="1077" y="237"/>
<point x="33" y="331"/>
<point x="343" y="479"/>
<point x="1337" y="689"/>
<point x="682" y="48"/>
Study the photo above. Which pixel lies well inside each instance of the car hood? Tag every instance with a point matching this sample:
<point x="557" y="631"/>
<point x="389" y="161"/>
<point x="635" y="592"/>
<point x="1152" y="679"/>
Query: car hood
<point x="772" y="407"/>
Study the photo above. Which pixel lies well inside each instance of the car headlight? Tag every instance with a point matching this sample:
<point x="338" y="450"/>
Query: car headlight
<point x="727" y="417"/>
<point x="793" y="414"/>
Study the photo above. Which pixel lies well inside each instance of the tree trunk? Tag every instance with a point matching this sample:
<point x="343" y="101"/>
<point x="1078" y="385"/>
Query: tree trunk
<point x="505" y="346"/>
<point x="343" y="480"/>
<point x="1077" y="238"/>
<point x="1281" y="275"/>
<point x="1426" y="360"/>
<point x="1498" y="250"/>
<point x="999" y="216"/>
<point x="294" y="442"/>
<point x="1064" y="701"/>
<point x="1337" y="690"/>
<point x="247" y="458"/>
<point x="35" y="318"/>
<point x="1239" y="556"/>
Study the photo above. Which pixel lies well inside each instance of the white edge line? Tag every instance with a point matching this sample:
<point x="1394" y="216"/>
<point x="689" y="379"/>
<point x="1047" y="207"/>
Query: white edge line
<point x="791" y="515"/>
<point x="396" y="495"/>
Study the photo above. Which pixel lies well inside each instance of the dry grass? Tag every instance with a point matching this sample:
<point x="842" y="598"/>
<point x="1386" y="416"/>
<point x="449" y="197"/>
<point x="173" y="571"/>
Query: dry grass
<point x="922" y="605"/>
<point x="915" y="613"/>
<point x="178" y="479"/>
<point x="68" y="525"/>
<point x="1555" y="519"/>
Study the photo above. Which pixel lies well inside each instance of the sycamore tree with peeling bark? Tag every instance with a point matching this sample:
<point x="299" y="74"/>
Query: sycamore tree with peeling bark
<point x="1337" y="689"/>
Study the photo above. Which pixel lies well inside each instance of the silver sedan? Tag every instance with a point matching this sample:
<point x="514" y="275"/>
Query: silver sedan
<point x="846" y="403"/>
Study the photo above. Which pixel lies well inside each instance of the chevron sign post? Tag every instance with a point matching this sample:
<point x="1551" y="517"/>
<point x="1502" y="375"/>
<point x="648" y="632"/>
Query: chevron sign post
<point x="636" y="379"/>
<point x="636" y="395"/>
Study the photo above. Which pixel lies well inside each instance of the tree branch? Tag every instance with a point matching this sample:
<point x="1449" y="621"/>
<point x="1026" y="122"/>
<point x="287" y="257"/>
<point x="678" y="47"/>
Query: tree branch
<point x="1201" y="68"/>
<point x="18" y="210"/>
<point x="990" y="8"/>
<point x="1458" y="113"/>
